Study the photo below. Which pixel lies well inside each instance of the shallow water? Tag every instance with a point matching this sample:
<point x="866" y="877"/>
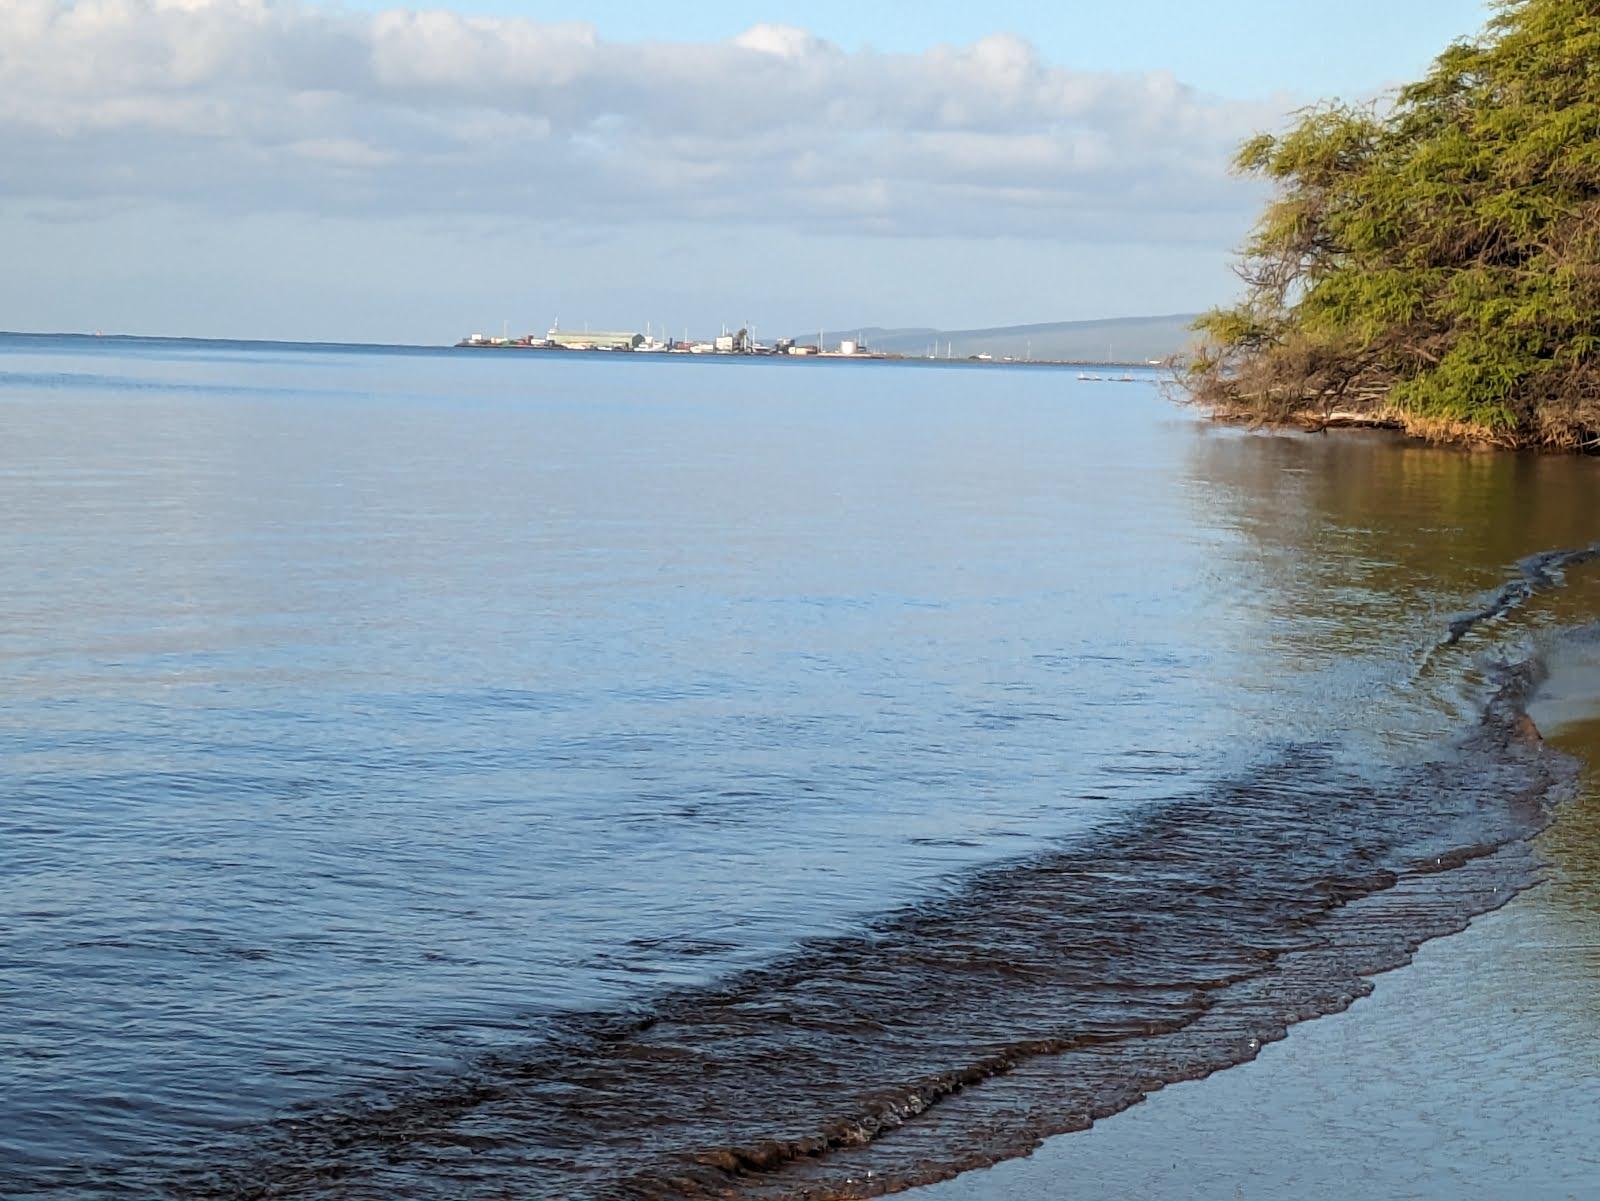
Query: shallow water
<point x="599" y="776"/>
<point x="1475" y="1071"/>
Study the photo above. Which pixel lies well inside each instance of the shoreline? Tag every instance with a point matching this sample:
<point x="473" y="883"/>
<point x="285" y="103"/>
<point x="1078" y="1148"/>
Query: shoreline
<point x="1421" y="430"/>
<point x="1156" y="1023"/>
<point x="1469" y="1070"/>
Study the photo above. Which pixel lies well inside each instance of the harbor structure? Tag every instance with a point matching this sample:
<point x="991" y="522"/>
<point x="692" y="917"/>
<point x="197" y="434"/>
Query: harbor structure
<point x="596" y="340"/>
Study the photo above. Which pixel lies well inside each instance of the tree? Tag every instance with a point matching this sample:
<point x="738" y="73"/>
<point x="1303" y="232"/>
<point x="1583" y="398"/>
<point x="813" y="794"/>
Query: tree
<point x="1434" y="263"/>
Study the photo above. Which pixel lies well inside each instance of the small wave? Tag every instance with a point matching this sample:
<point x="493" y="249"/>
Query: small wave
<point x="1537" y="573"/>
<point x="1036" y="998"/>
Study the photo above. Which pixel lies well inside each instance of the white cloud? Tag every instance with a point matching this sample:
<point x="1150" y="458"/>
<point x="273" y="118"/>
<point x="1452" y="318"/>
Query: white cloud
<point x="781" y="41"/>
<point x="254" y="105"/>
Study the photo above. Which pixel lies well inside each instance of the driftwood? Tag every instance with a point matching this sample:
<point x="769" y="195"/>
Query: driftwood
<point x="1319" y="423"/>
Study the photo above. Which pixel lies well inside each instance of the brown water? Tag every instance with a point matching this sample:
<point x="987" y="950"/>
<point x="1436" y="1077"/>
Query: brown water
<point x="442" y="776"/>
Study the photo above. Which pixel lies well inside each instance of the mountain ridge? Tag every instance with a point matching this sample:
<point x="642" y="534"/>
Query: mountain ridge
<point x="1107" y="339"/>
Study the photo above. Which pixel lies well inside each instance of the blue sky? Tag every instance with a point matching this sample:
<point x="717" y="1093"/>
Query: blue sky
<point x="1237" y="47"/>
<point x="361" y="171"/>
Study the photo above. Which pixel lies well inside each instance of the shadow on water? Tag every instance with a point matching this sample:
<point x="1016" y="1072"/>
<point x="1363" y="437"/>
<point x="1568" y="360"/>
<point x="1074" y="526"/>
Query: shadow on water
<point x="1371" y="556"/>
<point x="1395" y="522"/>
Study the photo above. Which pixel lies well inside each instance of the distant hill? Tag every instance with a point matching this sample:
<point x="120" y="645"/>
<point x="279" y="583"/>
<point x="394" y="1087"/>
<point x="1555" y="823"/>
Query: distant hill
<point x="1115" y="339"/>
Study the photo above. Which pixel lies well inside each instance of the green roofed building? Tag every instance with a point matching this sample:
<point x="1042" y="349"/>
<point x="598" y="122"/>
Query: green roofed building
<point x="589" y="339"/>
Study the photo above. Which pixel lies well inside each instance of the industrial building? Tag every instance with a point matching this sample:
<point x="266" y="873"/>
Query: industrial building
<point x="595" y="340"/>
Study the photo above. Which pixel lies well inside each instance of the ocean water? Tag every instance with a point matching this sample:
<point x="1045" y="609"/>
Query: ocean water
<point x="450" y="774"/>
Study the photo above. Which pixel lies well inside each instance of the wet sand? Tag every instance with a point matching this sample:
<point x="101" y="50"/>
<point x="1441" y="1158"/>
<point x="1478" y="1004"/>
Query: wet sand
<point x="1473" y="1072"/>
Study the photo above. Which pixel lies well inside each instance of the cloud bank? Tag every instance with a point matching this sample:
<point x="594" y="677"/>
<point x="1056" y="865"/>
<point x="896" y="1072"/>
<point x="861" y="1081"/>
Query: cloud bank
<point x="250" y="106"/>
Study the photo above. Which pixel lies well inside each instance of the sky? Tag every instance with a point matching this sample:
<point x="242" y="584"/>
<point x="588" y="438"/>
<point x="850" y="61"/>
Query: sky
<point x="369" y="172"/>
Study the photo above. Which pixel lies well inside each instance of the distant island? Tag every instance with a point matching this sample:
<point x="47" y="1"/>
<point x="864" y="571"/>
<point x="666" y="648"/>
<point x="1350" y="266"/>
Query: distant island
<point x="1121" y="341"/>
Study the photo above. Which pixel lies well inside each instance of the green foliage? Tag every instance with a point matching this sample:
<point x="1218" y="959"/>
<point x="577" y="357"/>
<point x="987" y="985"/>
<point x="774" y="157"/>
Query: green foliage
<point x="1436" y="263"/>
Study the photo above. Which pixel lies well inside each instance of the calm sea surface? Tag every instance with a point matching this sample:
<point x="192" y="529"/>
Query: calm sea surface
<point x="469" y="774"/>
